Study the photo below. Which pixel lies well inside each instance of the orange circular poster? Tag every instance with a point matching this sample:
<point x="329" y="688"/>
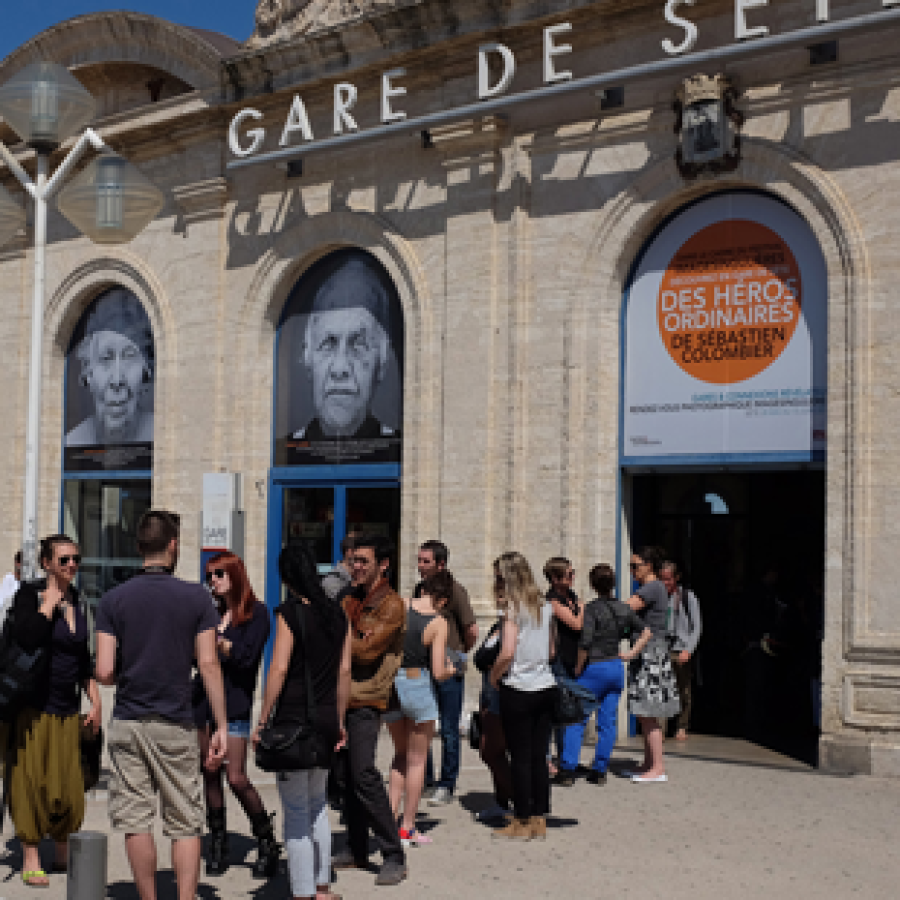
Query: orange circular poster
<point x="729" y="302"/>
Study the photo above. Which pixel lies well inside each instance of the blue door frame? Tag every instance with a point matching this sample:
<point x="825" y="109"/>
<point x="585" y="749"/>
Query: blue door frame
<point x="337" y="478"/>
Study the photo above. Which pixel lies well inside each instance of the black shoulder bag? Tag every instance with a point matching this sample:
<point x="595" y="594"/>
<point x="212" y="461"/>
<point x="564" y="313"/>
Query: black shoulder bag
<point x="486" y="655"/>
<point x="567" y="707"/>
<point x="20" y="672"/>
<point x="291" y="748"/>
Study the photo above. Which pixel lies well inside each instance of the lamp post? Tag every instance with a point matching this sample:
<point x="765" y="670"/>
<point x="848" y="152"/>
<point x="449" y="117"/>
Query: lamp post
<point x="110" y="201"/>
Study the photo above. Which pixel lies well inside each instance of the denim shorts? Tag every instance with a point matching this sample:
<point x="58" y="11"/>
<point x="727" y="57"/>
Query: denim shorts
<point x="239" y="728"/>
<point x="418" y="700"/>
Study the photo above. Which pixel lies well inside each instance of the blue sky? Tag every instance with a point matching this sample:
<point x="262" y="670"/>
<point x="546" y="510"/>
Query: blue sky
<point x="23" y="20"/>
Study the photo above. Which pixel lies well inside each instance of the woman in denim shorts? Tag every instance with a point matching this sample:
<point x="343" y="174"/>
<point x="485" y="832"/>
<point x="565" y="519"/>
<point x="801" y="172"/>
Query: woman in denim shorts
<point x="414" y="710"/>
<point x="241" y="636"/>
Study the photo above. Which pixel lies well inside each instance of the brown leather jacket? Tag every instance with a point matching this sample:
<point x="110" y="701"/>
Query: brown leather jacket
<point x="376" y="657"/>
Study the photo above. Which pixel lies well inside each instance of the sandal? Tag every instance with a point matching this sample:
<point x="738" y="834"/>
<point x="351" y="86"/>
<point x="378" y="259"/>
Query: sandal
<point x="36" y="878"/>
<point x="414" y="838"/>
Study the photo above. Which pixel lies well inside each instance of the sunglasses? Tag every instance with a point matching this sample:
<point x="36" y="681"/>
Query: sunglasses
<point x="634" y="566"/>
<point x="73" y="558"/>
<point x="219" y="573"/>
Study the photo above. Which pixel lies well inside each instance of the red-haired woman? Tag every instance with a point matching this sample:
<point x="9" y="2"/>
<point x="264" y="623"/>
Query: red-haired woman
<point x="242" y="635"/>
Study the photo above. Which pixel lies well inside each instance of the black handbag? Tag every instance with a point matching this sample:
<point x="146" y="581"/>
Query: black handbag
<point x="288" y="747"/>
<point x="567" y="708"/>
<point x="486" y="655"/>
<point x="91" y="753"/>
<point x="21" y="673"/>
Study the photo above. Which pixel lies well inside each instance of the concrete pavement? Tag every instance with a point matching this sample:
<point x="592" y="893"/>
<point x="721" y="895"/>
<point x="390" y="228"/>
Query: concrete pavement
<point x="761" y="827"/>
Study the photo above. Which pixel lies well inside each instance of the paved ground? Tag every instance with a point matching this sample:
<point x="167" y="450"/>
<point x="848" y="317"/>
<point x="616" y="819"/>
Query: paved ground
<point x="761" y="827"/>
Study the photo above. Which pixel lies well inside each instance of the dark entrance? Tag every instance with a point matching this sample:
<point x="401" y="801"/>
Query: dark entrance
<point x="751" y="546"/>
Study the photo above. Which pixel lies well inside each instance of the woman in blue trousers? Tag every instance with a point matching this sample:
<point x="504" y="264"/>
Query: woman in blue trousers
<point x="602" y="668"/>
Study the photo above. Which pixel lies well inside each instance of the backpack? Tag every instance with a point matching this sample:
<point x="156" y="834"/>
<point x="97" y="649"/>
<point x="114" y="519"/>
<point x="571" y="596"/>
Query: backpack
<point x="685" y="605"/>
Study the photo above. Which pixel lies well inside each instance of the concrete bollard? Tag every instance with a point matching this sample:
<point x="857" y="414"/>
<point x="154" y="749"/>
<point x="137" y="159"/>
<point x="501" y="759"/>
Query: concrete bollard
<point x="87" y="866"/>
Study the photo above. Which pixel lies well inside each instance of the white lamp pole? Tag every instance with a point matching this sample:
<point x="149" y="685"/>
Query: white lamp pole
<point x="110" y="202"/>
<point x="36" y="355"/>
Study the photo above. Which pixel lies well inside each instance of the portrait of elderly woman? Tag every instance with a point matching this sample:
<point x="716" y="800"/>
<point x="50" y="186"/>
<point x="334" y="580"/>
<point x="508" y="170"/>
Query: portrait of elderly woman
<point x="340" y="385"/>
<point x="113" y="365"/>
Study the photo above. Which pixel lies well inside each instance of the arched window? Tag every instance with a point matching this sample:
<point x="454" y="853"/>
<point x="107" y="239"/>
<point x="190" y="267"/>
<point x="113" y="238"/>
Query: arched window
<point x="339" y="379"/>
<point x="337" y="442"/>
<point x="108" y="437"/>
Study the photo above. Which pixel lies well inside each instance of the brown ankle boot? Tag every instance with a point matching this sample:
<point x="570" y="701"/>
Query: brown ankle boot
<point x="517" y="830"/>
<point x="537" y="825"/>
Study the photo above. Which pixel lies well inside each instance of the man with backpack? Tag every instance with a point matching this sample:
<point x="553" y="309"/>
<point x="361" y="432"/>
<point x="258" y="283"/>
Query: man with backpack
<point x="685" y="628"/>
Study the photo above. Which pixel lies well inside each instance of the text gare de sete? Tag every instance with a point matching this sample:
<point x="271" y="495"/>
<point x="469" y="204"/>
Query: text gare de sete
<point x="346" y="93"/>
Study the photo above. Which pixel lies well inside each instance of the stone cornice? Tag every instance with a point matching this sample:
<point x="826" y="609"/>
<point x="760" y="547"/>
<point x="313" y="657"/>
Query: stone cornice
<point x="201" y="200"/>
<point x="407" y="27"/>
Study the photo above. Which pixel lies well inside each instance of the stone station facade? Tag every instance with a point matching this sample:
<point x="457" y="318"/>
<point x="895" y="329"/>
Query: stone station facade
<point x="509" y="239"/>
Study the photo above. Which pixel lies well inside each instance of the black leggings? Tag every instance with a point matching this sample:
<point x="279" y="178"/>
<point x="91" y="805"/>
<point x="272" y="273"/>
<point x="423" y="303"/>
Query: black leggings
<point x="236" y="771"/>
<point x="526" y="724"/>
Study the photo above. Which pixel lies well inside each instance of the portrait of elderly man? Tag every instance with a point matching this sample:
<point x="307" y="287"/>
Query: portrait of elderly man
<point x="115" y="359"/>
<point x="346" y="351"/>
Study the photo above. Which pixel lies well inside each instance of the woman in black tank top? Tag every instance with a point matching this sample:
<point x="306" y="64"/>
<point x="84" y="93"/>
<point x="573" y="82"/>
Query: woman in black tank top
<point x="312" y="633"/>
<point x="414" y="708"/>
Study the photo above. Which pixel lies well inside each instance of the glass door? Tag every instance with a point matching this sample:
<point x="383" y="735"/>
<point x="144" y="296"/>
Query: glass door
<point x="101" y="515"/>
<point x="375" y="509"/>
<point x="323" y="514"/>
<point x="309" y="516"/>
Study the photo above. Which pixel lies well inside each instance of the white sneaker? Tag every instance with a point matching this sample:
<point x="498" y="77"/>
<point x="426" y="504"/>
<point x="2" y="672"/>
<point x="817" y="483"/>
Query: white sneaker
<point x="492" y="813"/>
<point x="440" y="797"/>
<point x="643" y="779"/>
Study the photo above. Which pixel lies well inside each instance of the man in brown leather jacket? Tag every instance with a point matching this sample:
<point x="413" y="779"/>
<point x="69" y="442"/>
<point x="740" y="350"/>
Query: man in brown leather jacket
<point x="378" y="620"/>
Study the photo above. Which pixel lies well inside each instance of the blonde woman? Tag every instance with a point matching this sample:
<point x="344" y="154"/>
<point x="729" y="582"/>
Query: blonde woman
<point x="527" y="690"/>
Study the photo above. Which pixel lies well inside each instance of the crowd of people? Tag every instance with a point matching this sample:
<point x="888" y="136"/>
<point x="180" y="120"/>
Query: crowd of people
<point x="349" y="655"/>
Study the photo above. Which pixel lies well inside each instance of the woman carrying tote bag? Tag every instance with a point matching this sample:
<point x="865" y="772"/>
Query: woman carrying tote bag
<point x="312" y="648"/>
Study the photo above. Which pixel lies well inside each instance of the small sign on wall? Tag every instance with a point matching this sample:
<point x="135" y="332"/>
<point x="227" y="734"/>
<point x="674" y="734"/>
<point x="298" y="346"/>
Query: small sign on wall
<point x="223" y="519"/>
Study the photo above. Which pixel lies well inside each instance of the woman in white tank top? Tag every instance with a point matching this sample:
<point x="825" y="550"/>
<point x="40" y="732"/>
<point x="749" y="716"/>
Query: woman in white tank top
<point x="527" y="692"/>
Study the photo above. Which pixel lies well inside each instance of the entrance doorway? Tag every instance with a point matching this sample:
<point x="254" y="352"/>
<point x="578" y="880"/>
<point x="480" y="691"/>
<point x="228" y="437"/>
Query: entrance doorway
<point x="337" y="427"/>
<point x="751" y="546"/>
<point x="324" y="514"/>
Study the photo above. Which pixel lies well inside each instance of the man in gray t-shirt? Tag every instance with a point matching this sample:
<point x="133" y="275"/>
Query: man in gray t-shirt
<point x="149" y="632"/>
<point x="685" y="628"/>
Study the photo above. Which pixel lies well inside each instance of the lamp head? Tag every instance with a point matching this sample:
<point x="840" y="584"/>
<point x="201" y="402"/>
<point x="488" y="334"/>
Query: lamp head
<point x="45" y="104"/>
<point x="110" y="200"/>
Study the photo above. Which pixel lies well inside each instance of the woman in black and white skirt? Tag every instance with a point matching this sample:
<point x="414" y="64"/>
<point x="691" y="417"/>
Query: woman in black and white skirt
<point x="652" y="689"/>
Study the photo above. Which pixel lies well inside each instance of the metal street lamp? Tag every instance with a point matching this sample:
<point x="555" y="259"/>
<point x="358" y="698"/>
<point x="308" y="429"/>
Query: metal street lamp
<point x="110" y="202"/>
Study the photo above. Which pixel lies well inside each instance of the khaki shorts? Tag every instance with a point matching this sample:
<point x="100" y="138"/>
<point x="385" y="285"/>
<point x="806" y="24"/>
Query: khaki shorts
<point x="149" y="757"/>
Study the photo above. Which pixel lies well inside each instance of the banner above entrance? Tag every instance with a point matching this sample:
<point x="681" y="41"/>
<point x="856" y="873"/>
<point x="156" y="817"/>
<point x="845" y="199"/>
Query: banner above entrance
<point x="725" y="338"/>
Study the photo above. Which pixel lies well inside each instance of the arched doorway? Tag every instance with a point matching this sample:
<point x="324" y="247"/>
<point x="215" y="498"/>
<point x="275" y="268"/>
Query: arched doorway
<point x="108" y="438"/>
<point x="722" y="450"/>
<point x="338" y="414"/>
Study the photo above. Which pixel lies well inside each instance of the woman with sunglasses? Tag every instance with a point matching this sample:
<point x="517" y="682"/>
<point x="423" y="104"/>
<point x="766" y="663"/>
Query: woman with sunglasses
<point x="242" y="635"/>
<point x="652" y="689"/>
<point x="46" y="786"/>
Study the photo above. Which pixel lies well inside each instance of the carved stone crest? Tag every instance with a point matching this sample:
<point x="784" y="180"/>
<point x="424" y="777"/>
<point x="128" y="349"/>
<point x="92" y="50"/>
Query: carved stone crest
<point x="708" y="126"/>
<point x="278" y="20"/>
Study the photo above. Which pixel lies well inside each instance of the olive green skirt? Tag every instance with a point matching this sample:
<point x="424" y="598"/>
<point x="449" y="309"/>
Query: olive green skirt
<point x="46" y="785"/>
